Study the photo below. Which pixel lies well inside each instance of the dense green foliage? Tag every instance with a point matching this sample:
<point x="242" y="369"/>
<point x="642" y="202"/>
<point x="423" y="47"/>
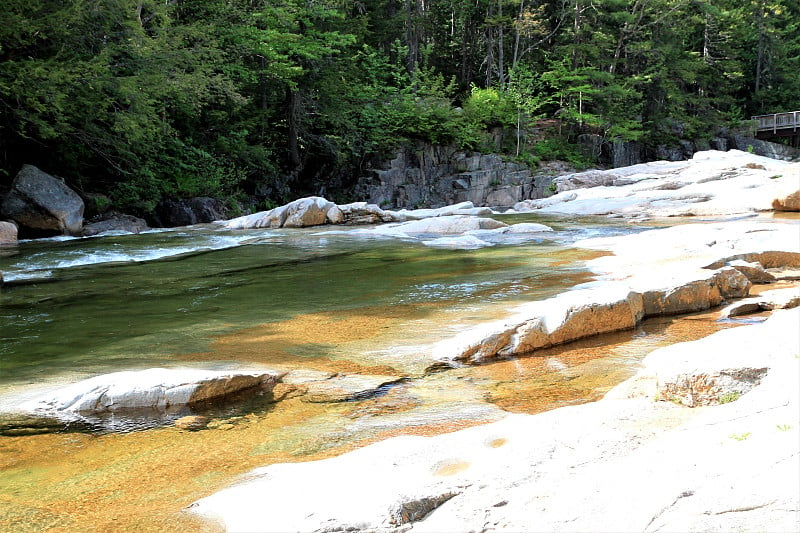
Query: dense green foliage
<point x="146" y="100"/>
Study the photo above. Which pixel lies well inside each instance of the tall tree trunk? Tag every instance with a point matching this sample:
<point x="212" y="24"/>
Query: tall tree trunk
<point x="517" y="34"/>
<point x="294" y="118"/>
<point x="501" y="71"/>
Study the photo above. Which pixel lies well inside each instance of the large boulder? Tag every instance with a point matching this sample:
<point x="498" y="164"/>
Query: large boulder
<point x="42" y="204"/>
<point x="567" y="317"/>
<point x="8" y="232"/>
<point x="446" y="225"/>
<point x="364" y="213"/>
<point x="691" y="291"/>
<point x="311" y="211"/>
<point x="199" y="210"/>
<point x="115" y="223"/>
<point x="154" y="389"/>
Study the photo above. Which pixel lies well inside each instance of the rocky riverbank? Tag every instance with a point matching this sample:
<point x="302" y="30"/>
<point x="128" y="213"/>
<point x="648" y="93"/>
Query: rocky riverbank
<point x="664" y="440"/>
<point x="705" y="437"/>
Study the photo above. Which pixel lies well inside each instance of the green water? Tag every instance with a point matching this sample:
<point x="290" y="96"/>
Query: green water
<point x="103" y="304"/>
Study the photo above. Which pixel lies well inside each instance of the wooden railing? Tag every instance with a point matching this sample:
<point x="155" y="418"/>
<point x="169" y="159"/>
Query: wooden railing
<point x="778" y="122"/>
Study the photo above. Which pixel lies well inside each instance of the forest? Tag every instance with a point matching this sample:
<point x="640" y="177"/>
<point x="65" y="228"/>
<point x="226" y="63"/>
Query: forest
<point x="144" y="100"/>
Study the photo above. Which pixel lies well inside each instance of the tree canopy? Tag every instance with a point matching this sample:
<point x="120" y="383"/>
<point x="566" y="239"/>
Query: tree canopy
<point x="147" y="100"/>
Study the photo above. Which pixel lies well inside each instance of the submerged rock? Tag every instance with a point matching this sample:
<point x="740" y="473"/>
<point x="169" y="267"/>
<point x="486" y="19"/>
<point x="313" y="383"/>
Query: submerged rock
<point x="192" y="422"/>
<point x="347" y="388"/>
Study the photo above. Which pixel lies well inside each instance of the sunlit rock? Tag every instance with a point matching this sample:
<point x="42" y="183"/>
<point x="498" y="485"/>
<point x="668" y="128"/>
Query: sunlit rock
<point x="462" y="208"/>
<point x="461" y="242"/>
<point x="753" y="271"/>
<point x="311" y="211"/>
<point x="690" y="291"/>
<point x="447" y="225"/>
<point x="154" y="388"/>
<point x="710" y="184"/>
<point x="569" y="316"/>
<point x="788" y="196"/>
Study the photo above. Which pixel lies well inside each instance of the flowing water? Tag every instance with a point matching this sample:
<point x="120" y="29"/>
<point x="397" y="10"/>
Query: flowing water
<point x="311" y="298"/>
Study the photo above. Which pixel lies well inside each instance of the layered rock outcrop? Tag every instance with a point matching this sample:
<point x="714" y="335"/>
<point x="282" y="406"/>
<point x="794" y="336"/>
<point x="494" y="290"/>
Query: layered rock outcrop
<point x="424" y="175"/>
<point x="710" y="184"/>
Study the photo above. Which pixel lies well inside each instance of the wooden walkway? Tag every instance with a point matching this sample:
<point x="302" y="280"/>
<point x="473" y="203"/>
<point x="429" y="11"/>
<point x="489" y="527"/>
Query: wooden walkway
<point x="778" y="124"/>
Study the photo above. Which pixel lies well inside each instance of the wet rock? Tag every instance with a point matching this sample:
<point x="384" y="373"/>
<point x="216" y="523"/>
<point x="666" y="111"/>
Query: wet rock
<point x="347" y="388"/>
<point x="41" y="204"/>
<point x="788" y="298"/>
<point x="8" y="232"/>
<point x="115" y="223"/>
<point x="21" y="424"/>
<point x="192" y="422"/>
<point x="302" y="376"/>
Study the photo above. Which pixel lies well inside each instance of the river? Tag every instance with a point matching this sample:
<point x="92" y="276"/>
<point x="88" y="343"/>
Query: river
<point x="316" y="298"/>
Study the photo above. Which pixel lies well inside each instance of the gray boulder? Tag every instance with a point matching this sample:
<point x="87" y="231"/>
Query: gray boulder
<point x="115" y="223"/>
<point x="197" y="210"/>
<point x="42" y="204"/>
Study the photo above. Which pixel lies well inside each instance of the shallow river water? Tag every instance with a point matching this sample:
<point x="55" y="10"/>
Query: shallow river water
<point x="312" y="298"/>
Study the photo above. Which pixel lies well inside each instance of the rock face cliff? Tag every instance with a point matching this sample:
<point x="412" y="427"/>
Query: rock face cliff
<point x="430" y="176"/>
<point x="422" y="175"/>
